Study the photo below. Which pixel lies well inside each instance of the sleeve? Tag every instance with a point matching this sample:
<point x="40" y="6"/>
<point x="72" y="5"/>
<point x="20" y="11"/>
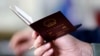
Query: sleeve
<point x="96" y="49"/>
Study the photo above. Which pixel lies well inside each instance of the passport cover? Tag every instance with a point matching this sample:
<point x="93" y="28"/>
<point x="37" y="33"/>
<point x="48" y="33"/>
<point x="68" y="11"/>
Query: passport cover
<point x="53" y="26"/>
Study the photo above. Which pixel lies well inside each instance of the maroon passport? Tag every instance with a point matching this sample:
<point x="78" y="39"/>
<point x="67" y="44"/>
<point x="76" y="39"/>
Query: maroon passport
<point x="53" y="26"/>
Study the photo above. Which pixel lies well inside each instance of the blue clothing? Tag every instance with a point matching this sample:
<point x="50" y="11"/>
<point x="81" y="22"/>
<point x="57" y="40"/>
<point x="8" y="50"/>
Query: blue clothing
<point x="92" y="36"/>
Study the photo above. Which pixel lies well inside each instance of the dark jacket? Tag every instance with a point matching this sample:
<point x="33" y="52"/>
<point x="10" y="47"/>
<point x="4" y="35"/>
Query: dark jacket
<point x="90" y="36"/>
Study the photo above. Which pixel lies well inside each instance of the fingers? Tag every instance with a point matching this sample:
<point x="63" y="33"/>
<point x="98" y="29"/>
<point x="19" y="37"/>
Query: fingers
<point x="21" y="49"/>
<point x="41" y="50"/>
<point x="21" y="41"/>
<point x="18" y="38"/>
<point x="48" y="53"/>
<point x="34" y="37"/>
<point x="38" y="42"/>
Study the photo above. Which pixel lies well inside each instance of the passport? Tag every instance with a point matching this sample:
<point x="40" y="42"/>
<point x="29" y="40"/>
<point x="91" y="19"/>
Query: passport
<point x="53" y="26"/>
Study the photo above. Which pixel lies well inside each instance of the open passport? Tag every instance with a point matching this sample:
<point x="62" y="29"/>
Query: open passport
<point x="50" y="27"/>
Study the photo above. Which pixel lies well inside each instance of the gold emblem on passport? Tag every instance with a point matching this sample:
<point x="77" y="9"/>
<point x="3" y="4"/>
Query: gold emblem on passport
<point x="49" y="22"/>
<point x="53" y="26"/>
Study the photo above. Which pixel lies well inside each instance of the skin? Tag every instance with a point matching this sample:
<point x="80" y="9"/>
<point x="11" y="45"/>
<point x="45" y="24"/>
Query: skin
<point x="66" y="45"/>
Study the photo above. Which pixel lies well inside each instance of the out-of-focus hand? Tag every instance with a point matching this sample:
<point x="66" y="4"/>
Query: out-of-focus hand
<point x="22" y="41"/>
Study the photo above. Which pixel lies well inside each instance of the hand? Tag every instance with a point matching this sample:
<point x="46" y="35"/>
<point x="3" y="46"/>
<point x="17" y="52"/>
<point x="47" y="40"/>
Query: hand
<point x="22" y="41"/>
<point x="63" y="46"/>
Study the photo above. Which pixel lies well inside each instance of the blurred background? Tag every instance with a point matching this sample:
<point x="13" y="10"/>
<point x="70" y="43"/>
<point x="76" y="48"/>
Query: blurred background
<point x="10" y="23"/>
<point x="77" y="11"/>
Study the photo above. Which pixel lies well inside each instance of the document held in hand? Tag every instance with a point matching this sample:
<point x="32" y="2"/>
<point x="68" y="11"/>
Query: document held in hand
<point x="50" y="27"/>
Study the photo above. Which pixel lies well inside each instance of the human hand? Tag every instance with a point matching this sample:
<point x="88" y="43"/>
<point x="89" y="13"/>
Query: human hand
<point x="22" y="41"/>
<point x="66" y="45"/>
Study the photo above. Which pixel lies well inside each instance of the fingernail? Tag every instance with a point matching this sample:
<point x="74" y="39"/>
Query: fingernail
<point x="47" y="45"/>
